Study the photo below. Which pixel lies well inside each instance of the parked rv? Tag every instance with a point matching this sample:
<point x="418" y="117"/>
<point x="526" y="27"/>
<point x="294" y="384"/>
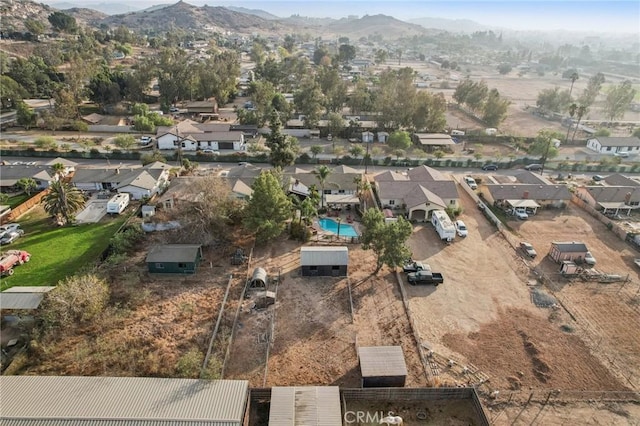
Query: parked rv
<point x="118" y="203"/>
<point x="445" y="228"/>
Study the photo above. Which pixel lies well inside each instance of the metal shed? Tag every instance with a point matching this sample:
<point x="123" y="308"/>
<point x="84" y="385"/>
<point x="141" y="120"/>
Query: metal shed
<point x="571" y="250"/>
<point x="382" y="366"/>
<point x="23" y="297"/>
<point x="305" y="405"/>
<point x="174" y="258"/>
<point x="135" y="401"/>
<point x="324" y="261"/>
<point x="259" y="278"/>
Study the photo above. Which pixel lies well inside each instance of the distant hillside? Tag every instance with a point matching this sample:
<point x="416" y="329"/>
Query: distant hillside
<point x="451" y="25"/>
<point x="88" y="16"/>
<point x="106" y="8"/>
<point x="14" y="13"/>
<point x="256" y="12"/>
<point x="186" y="16"/>
<point x="386" y="26"/>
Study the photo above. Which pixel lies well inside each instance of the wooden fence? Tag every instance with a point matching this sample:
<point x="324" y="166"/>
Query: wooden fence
<point x="24" y="207"/>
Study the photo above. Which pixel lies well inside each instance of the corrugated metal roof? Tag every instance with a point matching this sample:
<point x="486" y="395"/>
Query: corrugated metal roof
<point x="305" y="406"/>
<point x="29" y="289"/>
<point x="122" y="399"/>
<point x="319" y="256"/>
<point x="382" y="361"/>
<point x="20" y="300"/>
<point x="173" y="253"/>
<point x="570" y="247"/>
<point x="96" y="422"/>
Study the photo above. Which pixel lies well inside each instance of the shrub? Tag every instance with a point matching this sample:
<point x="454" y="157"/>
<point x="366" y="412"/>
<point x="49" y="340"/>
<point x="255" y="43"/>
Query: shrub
<point x="188" y="366"/>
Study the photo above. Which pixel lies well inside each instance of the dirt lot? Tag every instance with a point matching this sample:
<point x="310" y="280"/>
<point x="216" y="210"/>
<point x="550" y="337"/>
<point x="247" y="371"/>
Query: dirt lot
<point x="314" y="337"/>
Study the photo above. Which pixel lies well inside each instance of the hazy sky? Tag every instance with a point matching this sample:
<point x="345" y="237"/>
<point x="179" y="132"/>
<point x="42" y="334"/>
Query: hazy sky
<point x="572" y="15"/>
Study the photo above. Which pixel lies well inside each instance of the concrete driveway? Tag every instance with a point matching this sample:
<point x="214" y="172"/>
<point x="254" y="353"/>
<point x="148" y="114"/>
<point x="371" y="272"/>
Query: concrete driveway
<point x="93" y="211"/>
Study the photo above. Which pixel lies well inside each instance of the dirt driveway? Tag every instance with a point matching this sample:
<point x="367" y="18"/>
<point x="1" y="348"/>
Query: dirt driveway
<point x="483" y="315"/>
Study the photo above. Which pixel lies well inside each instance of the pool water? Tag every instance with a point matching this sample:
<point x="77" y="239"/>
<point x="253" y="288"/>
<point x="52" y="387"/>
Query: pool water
<point x="331" y="225"/>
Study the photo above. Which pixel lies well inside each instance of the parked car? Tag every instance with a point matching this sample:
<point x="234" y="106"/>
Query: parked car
<point x="622" y="154"/>
<point x="9" y="227"/>
<point x="598" y="178"/>
<point x="209" y="151"/>
<point x="11" y="236"/>
<point x="414" y="266"/>
<point x="521" y="213"/>
<point x="589" y="259"/>
<point x="528" y="249"/>
<point x="490" y="167"/>
<point x="174" y="109"/>
<point x="461" y="228"/>
<point x="145" y="140"/>
<point x="471" y="182"/>
<point x="533" y="167"/>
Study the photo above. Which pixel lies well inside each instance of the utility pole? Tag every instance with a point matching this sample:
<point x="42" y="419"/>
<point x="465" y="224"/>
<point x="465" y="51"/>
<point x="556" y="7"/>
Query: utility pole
<point x="365" y="159"/>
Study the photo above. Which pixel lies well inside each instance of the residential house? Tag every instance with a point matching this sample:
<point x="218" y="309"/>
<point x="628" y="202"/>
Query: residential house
<point x="241" y="178"/>
<point x="611" y="199"/>
<point x="10" y="175"/>
<point x="613" y="145"/>
<point x="174" y="258"/>
<point x="340" y="187"/>
<point x="417" y="192"/>
<point x="530" y="196"/>
<point x="209" y="106"/>
<point x="69" y="166"/>
<point x="139" y="182"/>
<point x="191" y="136"/>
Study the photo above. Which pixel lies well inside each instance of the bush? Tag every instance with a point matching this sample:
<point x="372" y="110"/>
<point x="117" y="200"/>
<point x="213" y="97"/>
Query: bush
<point x="299" y="231"/>
<point x="189" y="364"/>
<point x="46" y="142"/>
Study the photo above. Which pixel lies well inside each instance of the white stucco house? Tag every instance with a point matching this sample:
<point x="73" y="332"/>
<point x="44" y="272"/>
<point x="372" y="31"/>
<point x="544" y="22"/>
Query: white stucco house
<point x="192" y="136"/>
<point x="614" y="145"/>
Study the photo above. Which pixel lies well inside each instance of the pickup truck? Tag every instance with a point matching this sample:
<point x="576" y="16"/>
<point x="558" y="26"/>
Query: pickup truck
<point x="12" y="258"/>
<point x="425" y="277"/>
<point x="415" y="267"/>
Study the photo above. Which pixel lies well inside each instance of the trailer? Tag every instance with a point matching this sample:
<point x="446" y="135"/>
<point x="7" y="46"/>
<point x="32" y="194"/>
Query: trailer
<point x="118" y="203"/>
<point x="445" y="228"/>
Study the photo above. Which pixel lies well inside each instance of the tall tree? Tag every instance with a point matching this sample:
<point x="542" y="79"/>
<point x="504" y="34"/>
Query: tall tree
<point x="309" y="101"/>
<point x="573" y="77"/>
<point x="28" y="185"/>
<point x="592" y="90"/>
<point x="580" y="112"/>
<point x="63" y="22"/>
<point x="268" y="209"/>
<point x="284" y="148"/>
<point x="346" y="53"/>
<point x="399" y="140"/>
<point x="360" y="99"/>
<point x="494" y="109"/>
<point x="322" y="173"/>
<point x="387" y="240"/>
<point x="25" y="116"/>
<point x="573" y="108"/>
<point x="63" y="201"/>
<point x="618" y="100"/>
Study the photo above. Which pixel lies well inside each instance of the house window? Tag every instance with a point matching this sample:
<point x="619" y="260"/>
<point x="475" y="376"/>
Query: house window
<point x="609" y="148"/>
<point x="182" y="265"/>
<point x="452" y="202"/>
<point x="340" y="191"/>
<point x="392" y="202"/>
<point x="327" y="191"/>
<point x="335" y="268"/>
<point x="634" y="203"/>
<point x="159" y="265"/>
<point x="313" y="268"/>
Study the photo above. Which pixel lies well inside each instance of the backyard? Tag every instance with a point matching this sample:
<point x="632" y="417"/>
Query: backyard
<point x="57" y="252"/>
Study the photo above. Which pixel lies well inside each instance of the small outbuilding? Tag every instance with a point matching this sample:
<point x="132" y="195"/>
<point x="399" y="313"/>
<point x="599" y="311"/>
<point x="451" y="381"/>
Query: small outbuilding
<point x="174" y="258"/>
<point x="382" y="366"/>
<point x="324" y="261"/>
<point x="259" y="278"/>
<point x="574" y="251"/>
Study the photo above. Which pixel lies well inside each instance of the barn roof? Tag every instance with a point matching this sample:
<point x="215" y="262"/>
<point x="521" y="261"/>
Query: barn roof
<point x="382" y="361"/>
<point x="56" y="400"/>
<point x="320" y="256"/>
<point x="305" y="405"/>
<point x="173" y="253"/>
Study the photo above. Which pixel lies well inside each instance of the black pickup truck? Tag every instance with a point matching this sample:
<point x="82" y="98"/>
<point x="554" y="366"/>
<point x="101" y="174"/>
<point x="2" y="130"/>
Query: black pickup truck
<point x="425" y="277"/>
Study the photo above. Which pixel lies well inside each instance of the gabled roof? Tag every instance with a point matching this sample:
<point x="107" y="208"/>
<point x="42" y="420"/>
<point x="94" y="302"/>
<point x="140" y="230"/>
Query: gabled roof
<point x="216" y="136"/>
<point x="242" y="188"/>
<point x="59" y="160"/>
<point x="181" y="129"/>
<point x="425" y="174"/>
<point x="618" y="141"/>
<point x="93" y="118"/>
<point x="390" y="176"/>
<point x="334" y="180"/>
<point x="617" y="179"/>
<point x="158" y="165"/>
<point x="532" y="192"/>
<point x="421" y="195"/>
<point x="9" y="175"/>
<point x="141" y="178"/>
<point x="604" y="194"/>
<point x="173" y="253"/>
<point x="98" y="175"/>
<point x="526" y="176"/>
<point x="244" y="171"/>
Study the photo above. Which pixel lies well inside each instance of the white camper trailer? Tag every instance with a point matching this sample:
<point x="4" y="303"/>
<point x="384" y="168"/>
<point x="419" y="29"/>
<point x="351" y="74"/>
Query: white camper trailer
<point x="118" y="203"/>
<point x="445" y="228"/>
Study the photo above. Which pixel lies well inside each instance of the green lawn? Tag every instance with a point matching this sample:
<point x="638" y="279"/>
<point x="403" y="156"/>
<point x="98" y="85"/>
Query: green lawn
<point x="16" y="200"/>
<point x="57" y="252"/>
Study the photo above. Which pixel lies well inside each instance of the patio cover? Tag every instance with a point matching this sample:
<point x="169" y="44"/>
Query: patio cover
<point x="342" y="199"/>
<point x="523" y="203"/>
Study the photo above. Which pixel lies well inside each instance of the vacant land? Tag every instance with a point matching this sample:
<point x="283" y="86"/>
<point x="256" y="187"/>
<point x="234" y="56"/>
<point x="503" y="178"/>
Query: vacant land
<point x="314" y="337"/>
<point x="57" y="252"/>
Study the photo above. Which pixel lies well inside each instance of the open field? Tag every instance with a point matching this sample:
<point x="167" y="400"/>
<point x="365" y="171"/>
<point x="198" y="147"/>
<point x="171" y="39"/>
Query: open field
<point x="57" y="252"/>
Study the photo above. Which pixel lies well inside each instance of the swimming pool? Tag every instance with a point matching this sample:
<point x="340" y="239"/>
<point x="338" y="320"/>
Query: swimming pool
<point x="331" y="225"/>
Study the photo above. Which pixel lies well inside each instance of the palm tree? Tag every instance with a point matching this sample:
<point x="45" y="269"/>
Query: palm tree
<point x="580" y="112"/>
<point x="322" y="173"/>
<point x="573" y="77"/>
<point x="572" y="111"/>
<point x="58" y="169"/>
<point x="63" y="201"/>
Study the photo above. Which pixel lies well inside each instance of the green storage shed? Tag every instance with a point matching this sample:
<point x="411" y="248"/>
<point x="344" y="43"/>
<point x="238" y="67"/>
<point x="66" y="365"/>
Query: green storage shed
<point x="174" y="258"/>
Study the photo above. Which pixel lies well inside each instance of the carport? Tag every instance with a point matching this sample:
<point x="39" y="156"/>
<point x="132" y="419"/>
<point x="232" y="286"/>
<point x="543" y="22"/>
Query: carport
<point x="419" y="215"/>
<point x="527" y="204"/>
<point x="616" y="206"/>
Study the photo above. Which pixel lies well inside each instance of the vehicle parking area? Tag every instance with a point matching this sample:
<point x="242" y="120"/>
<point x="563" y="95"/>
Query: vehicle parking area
<point x="484" y="317"/>
<point x="93" y="211"/>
